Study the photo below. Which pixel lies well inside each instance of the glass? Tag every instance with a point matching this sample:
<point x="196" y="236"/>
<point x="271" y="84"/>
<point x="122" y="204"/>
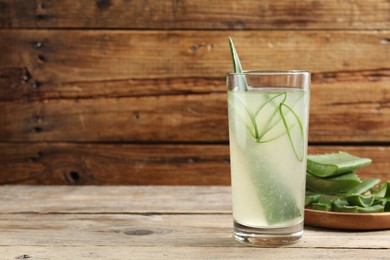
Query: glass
<point x="268" y="132"/>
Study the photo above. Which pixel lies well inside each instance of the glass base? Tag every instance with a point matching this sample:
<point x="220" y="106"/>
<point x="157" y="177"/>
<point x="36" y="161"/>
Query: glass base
<point x="268" y="237"/>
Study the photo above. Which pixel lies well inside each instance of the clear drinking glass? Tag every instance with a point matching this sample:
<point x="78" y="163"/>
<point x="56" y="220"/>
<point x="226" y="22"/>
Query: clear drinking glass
<point x="268" y="132"/>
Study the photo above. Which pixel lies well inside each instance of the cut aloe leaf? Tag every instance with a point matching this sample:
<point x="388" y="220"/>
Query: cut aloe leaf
<point x="372" y="209"/>
<point x="330" y="198"/>
<point x="332" y="164"/>
<point x="381" y="192"/>
<point x="323" y="206"/>
<point x="365" y="186"/>
<point x="237" y="68"/>
<point x="333" y="185"/>
<point x="275" y="120"/>
<point x="387" y="194"/>
<point x="297" y="144"/>
<point x="343" y="206"/>
<point x="264" y="120"/>
<point x="387" y="205"/>
<point x="243" y="113"/>
<point x="274" y="195"/>
<point x="385" y="202"/>
<point x="360" y="200"/>
<point x="310" y="199"/>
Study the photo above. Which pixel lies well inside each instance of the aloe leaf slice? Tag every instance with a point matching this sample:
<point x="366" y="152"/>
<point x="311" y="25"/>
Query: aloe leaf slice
<point x="372" y="209"/>
<point x="326" y="165"/>
<point x="275" y="120"/>
<point x="237" y="68"/>
<point x="297" y="145"/>
<point x="360" y="200"/>
<point x="387" y="194"/>
<point x="385" y="202"/>
<point x="381" y="192"/>
<point x="333" y="185"/>
<point x="252" y="129"/>
<point x="343" y="206"/>
<point x="323" y="206"/>
<point x="386" y="205"/>
<point x="330" y="198"/>
<point x="365" y="186"/>
<point x="310" y="199"/>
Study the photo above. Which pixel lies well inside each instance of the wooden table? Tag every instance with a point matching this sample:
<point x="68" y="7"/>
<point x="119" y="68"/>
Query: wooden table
<point x="150" y="222"/>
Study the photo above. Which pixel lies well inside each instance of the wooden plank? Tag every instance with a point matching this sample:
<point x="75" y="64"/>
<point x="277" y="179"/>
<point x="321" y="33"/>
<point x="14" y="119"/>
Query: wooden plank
<point x="166" y="118"/>
<point x="347" y="115"/>
<point x="193" y="252"/>
<point x="201" y="14"/>
<point x="190" y="230"/>
<point x="132" y="164"/>
<point x="115" y="199"/>
<point x="59" y="56"/>
<point x="16" y="84"/>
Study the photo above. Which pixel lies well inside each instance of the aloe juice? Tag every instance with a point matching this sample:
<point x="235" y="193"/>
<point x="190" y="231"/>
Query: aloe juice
<point x="268" y="137"/>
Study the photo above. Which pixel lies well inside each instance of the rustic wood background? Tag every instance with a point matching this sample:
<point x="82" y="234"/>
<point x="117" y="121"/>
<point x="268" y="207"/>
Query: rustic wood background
<point x="133" y="92"/>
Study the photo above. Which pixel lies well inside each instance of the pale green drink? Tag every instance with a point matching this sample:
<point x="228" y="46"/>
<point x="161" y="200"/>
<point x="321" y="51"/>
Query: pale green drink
<point x="268" y="129"/>
<point x="268" y="163"/>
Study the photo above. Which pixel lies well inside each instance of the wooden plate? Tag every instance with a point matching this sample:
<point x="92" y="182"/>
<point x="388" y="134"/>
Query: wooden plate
<point x="349" y="221"/>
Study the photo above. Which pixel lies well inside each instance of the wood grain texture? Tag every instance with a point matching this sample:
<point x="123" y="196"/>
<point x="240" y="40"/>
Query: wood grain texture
<point x="158" y="230"/>
<point x="64" y="85"/>
<point x="115" y="199"/>
<point x="172" y="252"/>
<point x="195" y="14"/>
<point x="73" y="56"/>
<point x="143" y="164"/>
<point x="148" y="224"/>
<point x="351" y="114"/>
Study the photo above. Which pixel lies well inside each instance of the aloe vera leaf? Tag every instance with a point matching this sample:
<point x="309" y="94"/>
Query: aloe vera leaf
<point x="274" y="196"/>
<point x="252" y="129"/>
<point x="380" y="201"/>
<point x="298" y="151"/>
<point x="333" y="185"/>
<point x="323" y="206"/>
<point x="310" y="199"/>
<point x="381" y="192"/>
<point x="237" y="68"/>
<point x="360" y="200"/>
<point x="249" y="127"/>
<point x="284" y="94"/>
<point x="264" y="119"/>
<point x="330" y="198"/>
<point x="387" y="205"/>
<point x="363" y="187"/>
<point x="276" y="120"/>
<point x="274" y="102"/>
<point x="372" y="209"/>
<point x="343" y="206"/>
<point x="385" y="202"/>
<point x="326" y="165"/>
<point x="387" y="194"/>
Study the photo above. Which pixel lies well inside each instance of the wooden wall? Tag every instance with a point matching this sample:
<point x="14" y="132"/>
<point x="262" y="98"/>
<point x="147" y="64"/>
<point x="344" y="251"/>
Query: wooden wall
<point x="133" y="92"/>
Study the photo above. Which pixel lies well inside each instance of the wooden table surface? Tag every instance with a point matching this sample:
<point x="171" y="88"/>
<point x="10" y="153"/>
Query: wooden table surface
<point x="150" y="222"/>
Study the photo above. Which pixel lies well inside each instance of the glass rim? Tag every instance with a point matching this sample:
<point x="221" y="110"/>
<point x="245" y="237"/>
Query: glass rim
<point x="269" y="72"/>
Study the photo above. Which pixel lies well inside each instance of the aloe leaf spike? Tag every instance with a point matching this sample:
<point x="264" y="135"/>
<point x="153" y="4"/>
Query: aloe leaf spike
<point x="237" y="68"/>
